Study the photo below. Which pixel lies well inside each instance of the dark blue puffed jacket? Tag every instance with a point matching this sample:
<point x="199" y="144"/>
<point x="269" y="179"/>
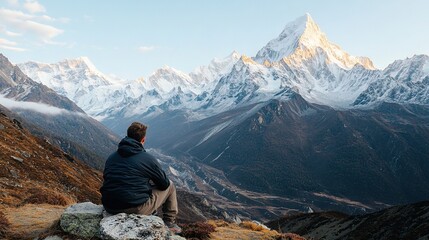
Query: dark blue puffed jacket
<point x="127" y="174"/>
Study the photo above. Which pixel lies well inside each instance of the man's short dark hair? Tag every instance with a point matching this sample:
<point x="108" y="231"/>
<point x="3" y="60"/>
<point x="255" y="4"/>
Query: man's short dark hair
<point x="137" y="131"/>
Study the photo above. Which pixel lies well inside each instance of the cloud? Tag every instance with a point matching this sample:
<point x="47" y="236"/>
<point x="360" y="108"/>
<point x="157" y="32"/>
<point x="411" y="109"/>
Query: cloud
<point x="16" y="49"/>
<point x="10" y="45"/>
<point x="36" y="107"/>
<point x="44" y="31"/>
<point x="34" y="6"/>
<point x="12" y="34"/>
<point x="23" y="23"/>
<point x="13" y="2"/>
<point x="7" y="42"/>
<point x="144" y="49"/>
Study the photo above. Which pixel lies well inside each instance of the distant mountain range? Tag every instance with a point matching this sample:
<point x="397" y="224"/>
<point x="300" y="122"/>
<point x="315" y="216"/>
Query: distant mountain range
<point x="302" y="123"/>
<point x="55" y="117"/>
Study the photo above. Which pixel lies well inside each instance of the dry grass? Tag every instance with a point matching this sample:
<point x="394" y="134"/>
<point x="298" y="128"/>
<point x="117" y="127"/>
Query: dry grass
<point x="219" y="223"/>
<point x="253" y="226"/>
<point x="197" y="230"/>
<point x="4" y="225"/>
<point x="290" y="236"/>
<point x="247" y="230"/>
<point x="42" y="196"/>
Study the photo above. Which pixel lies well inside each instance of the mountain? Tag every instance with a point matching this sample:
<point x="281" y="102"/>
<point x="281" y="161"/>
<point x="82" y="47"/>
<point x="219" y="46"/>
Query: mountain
<point x="295" y="149"/>
<point x="301" y="124"/>
<point x="400" y="222"/>
<point x="55" y="117"/>
<point x="34" y="170"/>
<point x="301" y="41"/>
<point x="404" y="81"/>
<point x="38" y="180"/>
<point x="15" y="84"/>
<point x="80" y="81"/>
<point x="218" y="67"/>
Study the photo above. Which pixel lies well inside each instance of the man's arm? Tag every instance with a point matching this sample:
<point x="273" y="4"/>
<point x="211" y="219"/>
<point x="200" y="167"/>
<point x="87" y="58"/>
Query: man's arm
<point x="157" y="175"/>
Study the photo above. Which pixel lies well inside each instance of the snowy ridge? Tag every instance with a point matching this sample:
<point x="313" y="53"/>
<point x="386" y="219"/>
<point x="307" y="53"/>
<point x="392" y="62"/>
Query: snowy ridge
<point x="207" y="74"/>
<point x="301" y="40"/>
<point x="403" y="81"/>
<point x="301" y="59"/>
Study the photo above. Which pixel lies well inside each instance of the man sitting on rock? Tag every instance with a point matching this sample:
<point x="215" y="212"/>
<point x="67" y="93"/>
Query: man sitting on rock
<point x="134" y="182"/>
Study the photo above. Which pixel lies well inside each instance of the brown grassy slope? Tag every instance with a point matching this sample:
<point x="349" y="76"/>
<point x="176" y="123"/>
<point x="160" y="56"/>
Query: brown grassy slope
<point x="34" y="171"/>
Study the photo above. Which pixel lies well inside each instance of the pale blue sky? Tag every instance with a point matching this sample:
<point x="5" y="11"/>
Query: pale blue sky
<point x="133" y="38"/>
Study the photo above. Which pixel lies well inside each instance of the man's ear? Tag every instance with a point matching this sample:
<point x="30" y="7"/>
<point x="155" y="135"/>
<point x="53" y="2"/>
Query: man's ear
<point x="143" y="140"/>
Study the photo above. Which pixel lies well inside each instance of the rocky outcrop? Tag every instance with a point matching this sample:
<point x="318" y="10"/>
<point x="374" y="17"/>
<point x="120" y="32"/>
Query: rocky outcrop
<point x="132" y="226"/>
<point x="82" y="219"/>
<point x="88" y="220"/>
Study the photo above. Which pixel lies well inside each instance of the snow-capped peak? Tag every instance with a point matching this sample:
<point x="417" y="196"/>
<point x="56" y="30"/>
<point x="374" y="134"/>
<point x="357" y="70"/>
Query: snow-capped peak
<point x="217" y="68"/>
<point x="414" y="69"/>
<point x="167" y="78"/>
<point x="82" y="63"/>
<point x="302" y="40"/>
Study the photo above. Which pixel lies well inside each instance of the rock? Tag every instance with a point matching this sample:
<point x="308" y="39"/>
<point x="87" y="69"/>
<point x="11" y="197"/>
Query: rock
<point x="260" y="224"/>
<point x="82" y="219"/>
<point x="18" y="123"/>
<point x="225" y="215"/>
<point x="132" y="226"/>
<point x="53" y="238"/>
<point x="237" y="219"/>
<point x="176" y="237"/>
<point x="25" y="154"/>
<point x="1" y="126"/>
<point x="206" y="203"/>
<point x="14" y="173"/>
<point x="214" y="208"/>
<point x="17" y="159"/>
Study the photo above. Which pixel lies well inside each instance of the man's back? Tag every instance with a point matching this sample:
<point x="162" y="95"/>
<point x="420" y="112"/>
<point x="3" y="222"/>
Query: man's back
<point x="127" y="176"/>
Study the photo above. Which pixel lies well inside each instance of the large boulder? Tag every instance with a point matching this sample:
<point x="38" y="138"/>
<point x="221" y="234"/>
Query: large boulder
<point x="133" y="227"/>
<point x="82" y="219"/>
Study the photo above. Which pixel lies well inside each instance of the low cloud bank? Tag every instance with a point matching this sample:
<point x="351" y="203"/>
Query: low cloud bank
<point x="33" y="106"/>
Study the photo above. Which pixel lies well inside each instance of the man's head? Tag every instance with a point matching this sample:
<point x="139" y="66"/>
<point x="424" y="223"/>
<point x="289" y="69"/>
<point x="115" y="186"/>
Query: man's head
<point x="137" y="131"/>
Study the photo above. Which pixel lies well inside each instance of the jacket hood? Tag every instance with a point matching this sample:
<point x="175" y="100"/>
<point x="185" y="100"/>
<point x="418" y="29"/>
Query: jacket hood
<point x="129" y="147"/>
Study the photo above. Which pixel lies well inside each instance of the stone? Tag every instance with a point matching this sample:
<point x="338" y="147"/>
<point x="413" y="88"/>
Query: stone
<point x="25" y="154"/>
<point x="237" y="219"/>
<point x="17" y="159"/>
<point x="14" y="173"/>
<point x="260" y="224"/>
<point x="53" y="238"/>
<point x="82" y="219"/>
<point x="206" y="203"/>
<point x="1" y="127"/>
<point x="133" y="226"/>
<point x="176" y="237"/>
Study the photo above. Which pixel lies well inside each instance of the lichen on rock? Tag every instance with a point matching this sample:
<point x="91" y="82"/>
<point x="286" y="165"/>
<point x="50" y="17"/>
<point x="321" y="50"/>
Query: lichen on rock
<point x="82" y="219"/>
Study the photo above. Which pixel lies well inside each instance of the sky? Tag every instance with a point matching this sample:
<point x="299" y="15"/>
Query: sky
<point x="131" y="39"/>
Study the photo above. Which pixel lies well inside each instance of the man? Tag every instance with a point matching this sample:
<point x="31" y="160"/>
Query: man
<point x="134" y="182"/>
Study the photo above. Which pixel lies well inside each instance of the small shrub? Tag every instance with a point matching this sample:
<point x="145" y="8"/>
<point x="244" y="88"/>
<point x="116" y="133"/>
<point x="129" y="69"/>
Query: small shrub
<point x="198" y="230"/>
<point x="218" y="223"/>
<point x="42" y="197"/>
<point x="289" y="236"/>
<point x="252" y="226"/>
<point x="4" y="225"/>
